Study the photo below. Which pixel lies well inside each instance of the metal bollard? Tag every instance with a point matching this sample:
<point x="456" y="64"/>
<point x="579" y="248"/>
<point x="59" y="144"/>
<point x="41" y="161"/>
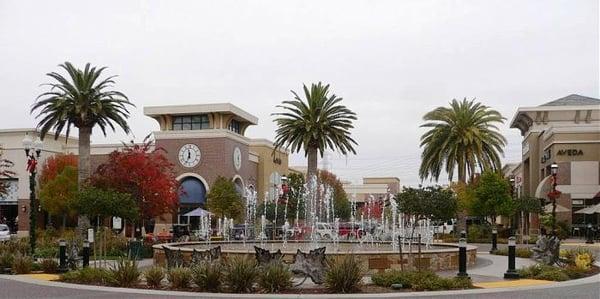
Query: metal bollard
<point x="62" y="254"/>
<point x="494" y="240"/>
<point x="589" y="234"/>
<point x="86" y="253"/>
<point x="462" y="258"/>
<point x="511" y="273"/>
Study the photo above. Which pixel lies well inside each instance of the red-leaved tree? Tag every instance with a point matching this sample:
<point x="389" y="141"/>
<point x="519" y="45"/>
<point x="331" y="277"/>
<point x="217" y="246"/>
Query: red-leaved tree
<point x="54" y="165"/>
<point x="143" y="172"/>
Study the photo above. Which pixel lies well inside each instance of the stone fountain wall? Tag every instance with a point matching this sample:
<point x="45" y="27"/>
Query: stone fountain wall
<point x="374" y="261"/>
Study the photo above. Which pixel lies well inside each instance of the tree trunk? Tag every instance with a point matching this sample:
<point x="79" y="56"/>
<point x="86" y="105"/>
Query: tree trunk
<point x="461" y="223"/>
<point x="312" y="163"/>
<point x="83" y="171"/>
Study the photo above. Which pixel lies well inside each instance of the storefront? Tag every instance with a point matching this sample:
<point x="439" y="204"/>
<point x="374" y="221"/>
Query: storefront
<point x="566" y="132"/>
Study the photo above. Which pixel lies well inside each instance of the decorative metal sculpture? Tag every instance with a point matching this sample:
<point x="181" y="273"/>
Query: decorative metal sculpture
<point x="200" y="256"/>
<point x="265" y="257"/>
<point x="547" y="249"/>
<point x="73" y="256"/>
<point x="174" y="257"/>
<point x="312" y="264"/>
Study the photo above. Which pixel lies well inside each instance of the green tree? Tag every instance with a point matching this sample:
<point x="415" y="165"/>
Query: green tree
<point x="314" y="125"/>
<point x="492" y="197"/>
<point x="97" y="203"/>
<point x="461" y="138"/>
<point x="223" y="199"/>
<point x="80" y="100"/>
<point x="528" y="205"/>
<point x="57" y="195"/>
<point x="433" y="202"/>
<point x="341" y="204"/>
<point x="296" y="191"/>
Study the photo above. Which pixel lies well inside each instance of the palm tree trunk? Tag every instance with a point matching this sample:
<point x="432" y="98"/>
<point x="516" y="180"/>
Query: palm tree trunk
<point x="462" y="213"/>
<point x="312" y="163"/>
<point x="83" y="170"/>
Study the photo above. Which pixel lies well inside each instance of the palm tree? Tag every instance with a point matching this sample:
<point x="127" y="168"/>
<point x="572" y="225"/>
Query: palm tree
<point x="462" y="138"/>
<point x="314" y="125"/>
<point x="80" y="100"/>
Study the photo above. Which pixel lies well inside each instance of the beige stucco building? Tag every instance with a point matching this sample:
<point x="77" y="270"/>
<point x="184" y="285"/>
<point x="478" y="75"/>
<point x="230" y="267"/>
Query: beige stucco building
<point x="565" y="131"/>
<point x="201" y="141"/>
<point x="378" y="187"/>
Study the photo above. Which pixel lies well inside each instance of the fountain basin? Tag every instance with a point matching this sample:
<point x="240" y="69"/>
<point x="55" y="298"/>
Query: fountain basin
<point x="375" y="257"/>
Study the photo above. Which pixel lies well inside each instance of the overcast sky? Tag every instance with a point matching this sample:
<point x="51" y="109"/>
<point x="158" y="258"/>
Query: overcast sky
<point x="391" y="61"/>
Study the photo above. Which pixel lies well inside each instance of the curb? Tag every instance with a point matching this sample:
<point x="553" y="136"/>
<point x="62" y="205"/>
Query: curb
<point x="588" y="280"/>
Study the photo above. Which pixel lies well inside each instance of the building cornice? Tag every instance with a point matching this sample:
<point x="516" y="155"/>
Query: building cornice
<point x="156" y="111"/>
<point x="209" y="133"/>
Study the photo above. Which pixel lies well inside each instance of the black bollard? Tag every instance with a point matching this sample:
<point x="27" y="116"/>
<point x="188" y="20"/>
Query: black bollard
<point x="589" y="234"/>
<point x="494" y="240"/>
<point x="462" y="258"/>
<point x="86" y="253"/>
<point x="62" y="254"/>
<point x="511" y="273"/>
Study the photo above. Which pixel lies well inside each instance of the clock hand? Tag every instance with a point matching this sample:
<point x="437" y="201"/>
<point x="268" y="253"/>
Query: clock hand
<point x="189" y="155"/>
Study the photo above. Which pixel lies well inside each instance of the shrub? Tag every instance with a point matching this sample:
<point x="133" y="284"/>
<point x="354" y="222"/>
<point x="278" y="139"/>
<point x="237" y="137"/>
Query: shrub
<point x="22" y="264"/>
<point x="47" y="252"/>
<point x="99" y="276"/>
<point x="420" y="281"/>
<point x="580" y="257"/>
<point x="275" y="277"/>
<point x="6" y="260"/>
<point x="544" y="272"/>
<point x="574" y="272"/>
<point x="344" y="275"/>
<point x="49" y="266"/>
<point x="519" y="252"/>
<point x="179" y="277"/>
<point x="390" y="277"/>
<point x="207" y="276"/>
<point x="240" y="274"/>
<point x="478" y="233"/>
<point x="125" y="273"/>
<point x="154" y="276"/>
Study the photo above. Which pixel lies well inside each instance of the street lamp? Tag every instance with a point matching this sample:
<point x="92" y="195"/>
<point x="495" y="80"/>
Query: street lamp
<point x="554" y="172"/>
<point x="32" y="160"/>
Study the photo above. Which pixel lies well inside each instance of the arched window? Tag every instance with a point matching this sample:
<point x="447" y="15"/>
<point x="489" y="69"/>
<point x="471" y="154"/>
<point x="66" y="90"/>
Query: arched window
<point x="192" y="192"/>
<point x="239" y="186"/>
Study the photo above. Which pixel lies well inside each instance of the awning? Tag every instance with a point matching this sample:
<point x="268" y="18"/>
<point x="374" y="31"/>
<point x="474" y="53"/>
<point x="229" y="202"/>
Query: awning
<point x="199" y="212"/>
<point x="544" y="188"/>
<point x="590" y="210"/>
<point x="559" y="208"/>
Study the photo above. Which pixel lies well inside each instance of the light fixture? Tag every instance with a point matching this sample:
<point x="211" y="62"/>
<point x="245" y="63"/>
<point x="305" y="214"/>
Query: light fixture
<point x="38" y="144"/>
<point x="27" y="143"/>
<point x="24" y="208"/>
<point x="554" y="168"/>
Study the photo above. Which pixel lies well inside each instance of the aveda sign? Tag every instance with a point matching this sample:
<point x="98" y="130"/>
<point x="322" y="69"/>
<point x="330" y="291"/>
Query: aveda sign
<point x="570" y="152"/>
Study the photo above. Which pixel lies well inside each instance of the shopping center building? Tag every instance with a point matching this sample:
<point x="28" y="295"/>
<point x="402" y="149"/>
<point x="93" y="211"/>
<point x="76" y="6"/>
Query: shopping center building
<point x="202" y="141"/>
<point x="565" y="131"/>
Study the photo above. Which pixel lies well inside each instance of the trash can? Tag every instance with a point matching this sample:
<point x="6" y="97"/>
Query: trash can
<point x="135" y="250"/>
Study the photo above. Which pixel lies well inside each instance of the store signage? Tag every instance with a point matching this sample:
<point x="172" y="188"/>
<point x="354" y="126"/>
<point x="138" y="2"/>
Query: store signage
<point x="547" y="155"/>
<point x="570" y="152"/>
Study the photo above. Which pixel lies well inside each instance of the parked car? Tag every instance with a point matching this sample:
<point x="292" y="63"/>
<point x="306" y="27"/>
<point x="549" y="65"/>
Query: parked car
<point x="349" y="230"/>
<point x="4" y="233"/>
<point x="324" y="231"/>
<point x="444" y="227"/>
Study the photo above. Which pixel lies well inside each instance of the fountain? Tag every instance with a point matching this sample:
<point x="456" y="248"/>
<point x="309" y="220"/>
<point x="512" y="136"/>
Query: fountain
<point x="373" y="238"/>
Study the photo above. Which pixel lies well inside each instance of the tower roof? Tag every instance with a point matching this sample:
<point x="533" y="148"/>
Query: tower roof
<point x="573" y="100"/>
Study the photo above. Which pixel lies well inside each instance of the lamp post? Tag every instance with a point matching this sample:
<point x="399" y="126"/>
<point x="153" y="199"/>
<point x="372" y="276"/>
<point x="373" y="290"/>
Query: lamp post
<point x="554" y="172"/>
<point x="32" y="160"/>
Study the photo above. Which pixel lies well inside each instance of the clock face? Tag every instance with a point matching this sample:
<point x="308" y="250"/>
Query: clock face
<point x="189" y="155"/>
<point x="237" y="158"/>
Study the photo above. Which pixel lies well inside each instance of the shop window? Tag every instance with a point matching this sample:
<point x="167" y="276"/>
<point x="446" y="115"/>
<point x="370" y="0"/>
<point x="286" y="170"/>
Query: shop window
<point x="191" y="122"/>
